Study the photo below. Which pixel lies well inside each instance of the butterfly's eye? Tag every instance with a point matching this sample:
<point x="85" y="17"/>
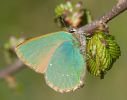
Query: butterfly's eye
<point x="72" y="30"/>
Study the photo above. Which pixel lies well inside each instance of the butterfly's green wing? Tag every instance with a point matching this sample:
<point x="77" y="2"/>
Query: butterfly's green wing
<point x="66" y="68"/>
<point x="37" y="52"/>
<point x="58" y="55"/>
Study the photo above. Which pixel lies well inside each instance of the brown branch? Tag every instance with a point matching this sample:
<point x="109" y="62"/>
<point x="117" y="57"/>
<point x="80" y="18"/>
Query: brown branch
<point x="10" y="69"/>
<point x="120" y="7"/>
<point x="116" y="10"/>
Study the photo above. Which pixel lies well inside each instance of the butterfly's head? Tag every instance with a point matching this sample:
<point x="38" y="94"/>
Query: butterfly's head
<point x="72" y="30"/>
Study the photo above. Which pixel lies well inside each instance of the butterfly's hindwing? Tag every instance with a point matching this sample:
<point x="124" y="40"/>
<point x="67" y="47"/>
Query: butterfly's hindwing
<point x="66" y="68"/>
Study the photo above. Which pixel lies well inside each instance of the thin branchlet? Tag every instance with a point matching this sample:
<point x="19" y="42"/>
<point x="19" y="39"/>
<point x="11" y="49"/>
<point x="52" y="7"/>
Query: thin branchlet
<point x="120" y="7"/>
<point x="10" y="69"/>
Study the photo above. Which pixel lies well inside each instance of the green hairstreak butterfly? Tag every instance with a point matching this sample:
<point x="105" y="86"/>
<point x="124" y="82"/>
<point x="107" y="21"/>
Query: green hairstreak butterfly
<point x="58" y="57"/>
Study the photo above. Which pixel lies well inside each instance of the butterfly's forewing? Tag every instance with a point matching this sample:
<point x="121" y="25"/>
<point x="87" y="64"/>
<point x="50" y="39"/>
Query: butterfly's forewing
<point x="37" y="52"/>
<point x="66" y="68"/>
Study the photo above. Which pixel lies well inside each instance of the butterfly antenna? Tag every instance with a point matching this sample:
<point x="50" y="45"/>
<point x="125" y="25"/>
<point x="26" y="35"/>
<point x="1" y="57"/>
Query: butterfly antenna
<point x="63" y="22"/>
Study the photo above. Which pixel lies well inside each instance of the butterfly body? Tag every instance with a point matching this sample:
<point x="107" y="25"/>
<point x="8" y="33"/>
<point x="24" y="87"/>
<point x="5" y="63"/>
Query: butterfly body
<point x="58" y="56"/>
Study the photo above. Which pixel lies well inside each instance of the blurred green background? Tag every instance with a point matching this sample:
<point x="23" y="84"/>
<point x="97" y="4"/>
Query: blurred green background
<point x="35" y="17"/>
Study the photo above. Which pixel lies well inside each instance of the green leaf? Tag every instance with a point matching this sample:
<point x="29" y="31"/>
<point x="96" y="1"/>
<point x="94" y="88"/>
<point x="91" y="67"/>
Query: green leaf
<point x="102" y="51"/>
